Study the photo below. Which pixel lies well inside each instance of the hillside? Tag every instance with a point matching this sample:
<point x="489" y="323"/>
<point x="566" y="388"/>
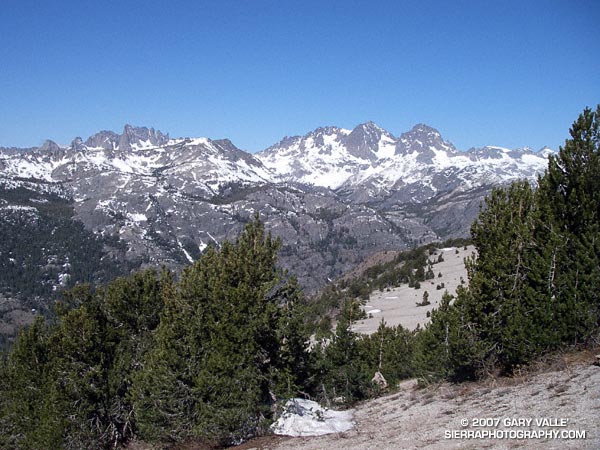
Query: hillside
<point x="413" y="417"/>
<point x="398" y="305"/>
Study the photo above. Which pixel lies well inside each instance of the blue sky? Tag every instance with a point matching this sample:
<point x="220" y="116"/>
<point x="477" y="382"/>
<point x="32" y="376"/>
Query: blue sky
<point x="508" y="73"/>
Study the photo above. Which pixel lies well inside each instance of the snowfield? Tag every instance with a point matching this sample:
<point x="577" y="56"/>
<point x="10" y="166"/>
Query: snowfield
<point x="307" y="418"/>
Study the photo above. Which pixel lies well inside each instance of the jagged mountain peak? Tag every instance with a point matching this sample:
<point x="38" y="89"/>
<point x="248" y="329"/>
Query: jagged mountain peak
<point x="105" y="139"/>
<point x="226" y="144"/>
<point x="141" y="137"/>
<point x="287" y="141"/>
<point x="367" y="139"/>
<point x="77" y="144"/>
<point x="49" y="146"/>
<point x="423" y="133"/>
<point x="328" y="130"/>
<point x="422" y="139"/>
<point x="422" y="128"/>
<point x="370" y="127"/>
<point x="50" y="150"/>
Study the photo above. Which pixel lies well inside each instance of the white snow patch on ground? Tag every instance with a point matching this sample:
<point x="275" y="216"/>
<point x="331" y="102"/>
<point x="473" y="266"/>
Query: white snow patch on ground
<point x="307" y="418"/>
<point x="187" y="255"/>
<point x="20" y="208"/>
<point x="137" y="217"/>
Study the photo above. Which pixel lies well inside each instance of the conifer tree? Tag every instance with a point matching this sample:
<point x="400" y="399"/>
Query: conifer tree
<point x="225" y="346"/>
<point x="570" y="196"/>
<point x="534" y="284"/>
<point x="162" y="392"/>
<point x="28" y="419"/>
<point x="501" y="305"/>
<point x="340" y="365"/>
<point x="449" y="346"/>
<point x="132" y="306"/>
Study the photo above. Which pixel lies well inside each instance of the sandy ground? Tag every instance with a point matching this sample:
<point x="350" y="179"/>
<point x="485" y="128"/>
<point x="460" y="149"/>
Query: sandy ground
<point x="419" y="418"/>
<point x="398" y="305"/>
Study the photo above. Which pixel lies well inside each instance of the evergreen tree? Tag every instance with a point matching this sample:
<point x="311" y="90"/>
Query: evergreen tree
<point x="425" y="300"/>
<point x="389" y="351"/>
<point x="163" y="403"/>
<point x="68" y="383"/>
<point x="343" y="373"/>
<point x="226" y="345"/>
<point x="500" y="302"/>
<point x="81" y="352"/>
<point x="28" y="420"/>
<point x="534" y="284"/>
<point x="569" y="194"/>
<point x="449" y="347"/>
<point x="132" y="306"/>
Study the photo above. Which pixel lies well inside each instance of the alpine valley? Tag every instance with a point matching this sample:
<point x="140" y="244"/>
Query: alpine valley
<point x="115" y="202"/>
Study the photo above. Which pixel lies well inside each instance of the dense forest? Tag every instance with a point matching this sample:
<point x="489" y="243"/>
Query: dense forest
<point x="45" y="249"/>
<point x="42" y="240"/>
<point x="212" y="356"/>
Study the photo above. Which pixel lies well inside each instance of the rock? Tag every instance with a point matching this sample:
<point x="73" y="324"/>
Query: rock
<point x="379" y="380"/>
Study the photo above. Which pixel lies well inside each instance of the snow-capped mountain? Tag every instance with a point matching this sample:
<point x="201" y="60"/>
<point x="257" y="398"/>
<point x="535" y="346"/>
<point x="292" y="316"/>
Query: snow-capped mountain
<point x="200" y="164"/>
<point x="372" y="162"/>
<point x="334" y="196"/>
<point x="328" y="157"/>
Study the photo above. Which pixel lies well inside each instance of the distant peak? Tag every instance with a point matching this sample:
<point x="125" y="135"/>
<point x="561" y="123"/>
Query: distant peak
<point x="325" y="131"/>
<point x="77" y="143"/>
<point x="422" y="138"/>
<point x="49" y="146"/>
<point x="370" y="127"/>
<point x="136" y="135"/>
<point x="104" y="139"/>
<point x="546" y="151"/>
<point x="226" y="144"/>
<point x="423" y="133"/>
<point x="369" y="124"/>
<point x="424" y="128"/>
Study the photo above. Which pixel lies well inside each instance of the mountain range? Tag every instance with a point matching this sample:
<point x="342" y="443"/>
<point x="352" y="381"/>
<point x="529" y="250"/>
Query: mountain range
<point x="334" y="196"/>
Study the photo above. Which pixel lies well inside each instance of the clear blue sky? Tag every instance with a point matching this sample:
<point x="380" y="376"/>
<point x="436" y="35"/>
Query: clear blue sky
<point x="508" y="73"/>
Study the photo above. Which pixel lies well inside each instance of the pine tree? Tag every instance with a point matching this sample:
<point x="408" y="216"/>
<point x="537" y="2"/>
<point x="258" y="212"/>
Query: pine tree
<point x="343" y="373"/>
<point x="570" y="196"/>
<point x="162" y="391"/>
<point x="28" y="417"/>
<point x="225" y="346"/>
<point x="502" y="306"/>
<point x="534" y="284"/>
<point x="81" y="349"/>
<point x="449" y="346"/>
<point x="425" y="300"/>
<point x="389" y="351"/>
<point x="132" y="306"/>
